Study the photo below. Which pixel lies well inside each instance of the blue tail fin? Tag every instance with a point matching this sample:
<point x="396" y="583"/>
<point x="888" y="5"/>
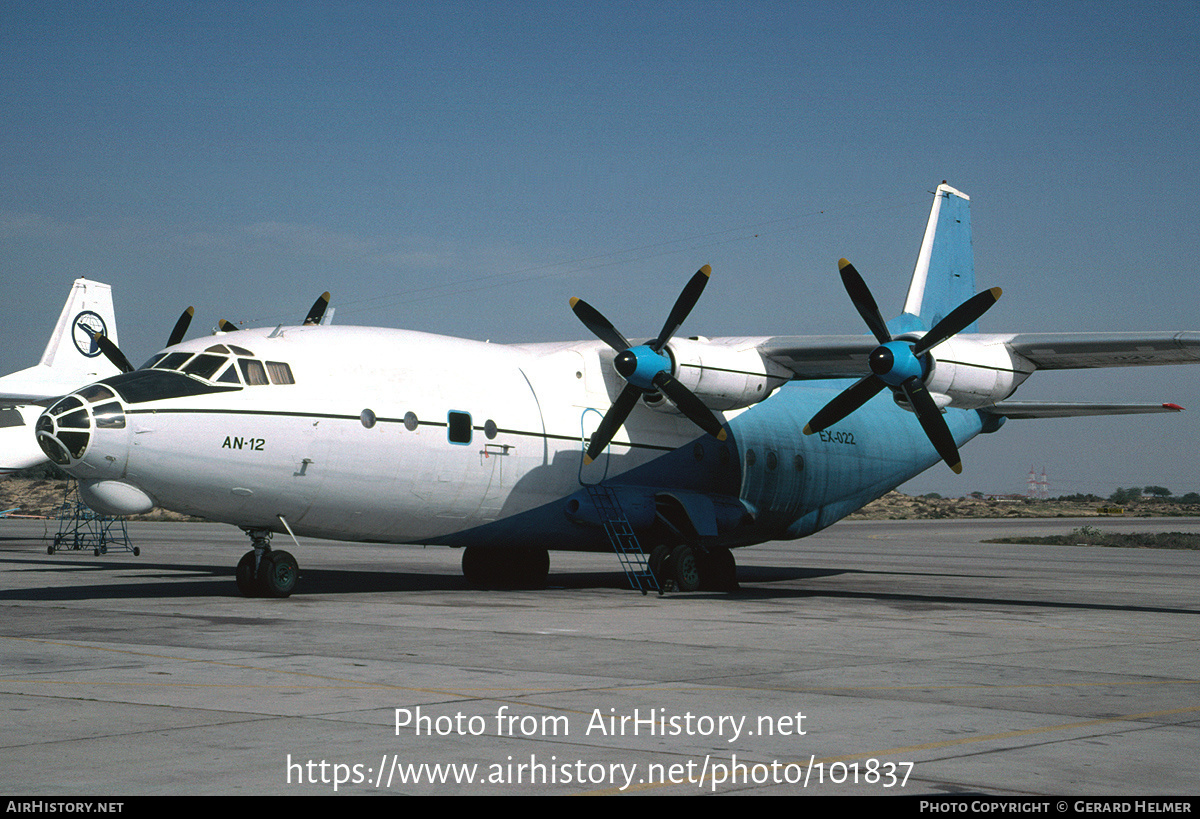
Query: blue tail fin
<point x="944" y="276"/>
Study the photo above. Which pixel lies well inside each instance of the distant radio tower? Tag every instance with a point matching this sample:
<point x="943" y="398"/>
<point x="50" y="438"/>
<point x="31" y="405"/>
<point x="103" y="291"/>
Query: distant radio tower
<point x="1039" y="486"/>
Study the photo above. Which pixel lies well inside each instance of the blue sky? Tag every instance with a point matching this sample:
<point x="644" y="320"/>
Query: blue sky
<point x="465" y="168"/>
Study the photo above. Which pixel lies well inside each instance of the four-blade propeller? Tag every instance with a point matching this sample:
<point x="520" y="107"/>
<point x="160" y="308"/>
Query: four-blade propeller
<point x="646" y="369"/>
<point x="901" y="366"/>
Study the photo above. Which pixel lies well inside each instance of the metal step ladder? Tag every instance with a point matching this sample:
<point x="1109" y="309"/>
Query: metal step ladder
<point x="624" y="541"/>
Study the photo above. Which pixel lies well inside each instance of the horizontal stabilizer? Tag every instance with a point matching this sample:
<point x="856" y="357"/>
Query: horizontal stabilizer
<point x="1050" y="409"/>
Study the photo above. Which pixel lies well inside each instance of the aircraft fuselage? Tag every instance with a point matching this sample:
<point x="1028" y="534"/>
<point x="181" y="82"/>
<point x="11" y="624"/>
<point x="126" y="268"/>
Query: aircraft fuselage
<point x="398" y="436"/>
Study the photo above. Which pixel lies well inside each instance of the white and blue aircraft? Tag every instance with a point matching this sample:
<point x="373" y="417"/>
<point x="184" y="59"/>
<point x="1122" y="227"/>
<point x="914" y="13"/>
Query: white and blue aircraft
<point x="700" y="445"/>
<point x="72" y="359"/>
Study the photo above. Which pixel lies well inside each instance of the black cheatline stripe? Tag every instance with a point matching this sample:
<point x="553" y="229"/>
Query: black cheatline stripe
<point x="983" y="366"/>
<point x="735" y="372"/>
<point x="332" y="416"/>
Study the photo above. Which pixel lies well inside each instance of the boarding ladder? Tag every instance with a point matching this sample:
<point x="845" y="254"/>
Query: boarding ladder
<point x="624" y="541"/>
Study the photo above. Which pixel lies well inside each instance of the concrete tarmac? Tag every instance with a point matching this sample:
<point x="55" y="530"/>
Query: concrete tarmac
<point x="881" y="658"/>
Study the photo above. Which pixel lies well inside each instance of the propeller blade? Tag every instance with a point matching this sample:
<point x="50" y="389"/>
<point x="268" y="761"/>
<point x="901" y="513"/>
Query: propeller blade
<point x="113" y="353"/>
<point x="612" y="421"/>
<point x="601" y="327"/>
<point x="932" y="422"/>
<point x="863" y="301"/>
<point x="690" y="405"/>
<point x="227" y="326"/>
<point x="181" y="327"/>
<point x="317" y="311"/>
<point x="683" y="305"/>
<point x="958" y="318"/>
<point x="845" y="403"/>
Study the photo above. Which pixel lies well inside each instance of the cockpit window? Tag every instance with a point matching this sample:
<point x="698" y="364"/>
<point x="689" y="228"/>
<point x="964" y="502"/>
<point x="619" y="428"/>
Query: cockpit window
<point x="213" y="360"/>
<point x="230" y="376"/>
<point x="253" y="372"/>
<point x="205" y="365"/>
<point x="172" y="361"/>
<point x="280" y="373"/>
<point x="96" y="393"/>
<point x="141" y="386"/>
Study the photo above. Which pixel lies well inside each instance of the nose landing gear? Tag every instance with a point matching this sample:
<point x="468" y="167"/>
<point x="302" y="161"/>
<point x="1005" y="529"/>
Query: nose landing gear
<point x="264" y="572"/>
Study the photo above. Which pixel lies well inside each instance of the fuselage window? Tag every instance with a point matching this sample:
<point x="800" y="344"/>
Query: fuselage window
<point x="240" y="350"/>
<point x="280" y="373"/>
<point x="458" y="427"/>
<point x="253" y="372"/>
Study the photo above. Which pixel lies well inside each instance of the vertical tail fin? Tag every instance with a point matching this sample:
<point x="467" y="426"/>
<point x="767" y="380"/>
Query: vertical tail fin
<point x="72" y="357"/>
<point x="944" y="276"/>
<point x="88" y="310"/>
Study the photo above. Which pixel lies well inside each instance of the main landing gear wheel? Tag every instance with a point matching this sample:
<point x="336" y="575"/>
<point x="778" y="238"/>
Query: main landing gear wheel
<point x="682" y="569"/>
<point x="501" y="568"/>
<point x="687" y="568"/>
<point x="656" y="563"/>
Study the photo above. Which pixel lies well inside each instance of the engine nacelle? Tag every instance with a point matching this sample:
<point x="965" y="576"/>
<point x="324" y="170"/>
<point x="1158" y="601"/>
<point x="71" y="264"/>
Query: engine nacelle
<point x="723" y="377"/>
<point x="975" y="373"/>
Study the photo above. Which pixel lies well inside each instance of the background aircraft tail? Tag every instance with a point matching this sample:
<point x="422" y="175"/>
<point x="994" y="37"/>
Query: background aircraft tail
<point x="71" y="358"/>
<point x="944" y="276"/>
<point x="89" y="309"/>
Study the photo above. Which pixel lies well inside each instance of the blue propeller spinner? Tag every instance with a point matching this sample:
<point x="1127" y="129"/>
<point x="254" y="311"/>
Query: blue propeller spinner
<point x="902" y="366"/>
<point x="646" y="369"/>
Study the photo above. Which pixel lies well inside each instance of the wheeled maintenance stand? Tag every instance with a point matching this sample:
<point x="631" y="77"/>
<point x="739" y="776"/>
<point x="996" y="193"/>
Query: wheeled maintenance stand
<point x="80" y="528"/>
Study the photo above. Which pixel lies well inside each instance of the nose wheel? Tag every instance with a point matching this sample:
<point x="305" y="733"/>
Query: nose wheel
<point x="265" y="572"/>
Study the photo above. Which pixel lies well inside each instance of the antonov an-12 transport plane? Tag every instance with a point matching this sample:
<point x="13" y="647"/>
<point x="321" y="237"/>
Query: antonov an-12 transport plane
<point x="689" y="446"/>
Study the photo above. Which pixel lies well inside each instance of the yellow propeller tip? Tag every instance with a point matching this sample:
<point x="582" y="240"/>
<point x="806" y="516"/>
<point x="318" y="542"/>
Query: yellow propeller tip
<point x="706" y="270"/>
<point x="586" y="460"/>
<point x="574" y="301"/>
<point x="721" y="436"/>
<point x="996" y="293"/>
<point x="808" y="430"/>
<point x="843" y="263"/>
<point x="956" y="468"/>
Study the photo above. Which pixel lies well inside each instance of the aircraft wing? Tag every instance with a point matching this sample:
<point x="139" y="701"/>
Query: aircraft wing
<point x="815" y="357"/>
<point x="1069" y="351"/>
